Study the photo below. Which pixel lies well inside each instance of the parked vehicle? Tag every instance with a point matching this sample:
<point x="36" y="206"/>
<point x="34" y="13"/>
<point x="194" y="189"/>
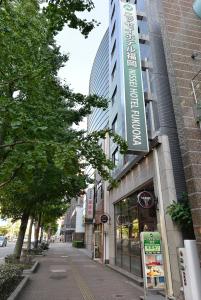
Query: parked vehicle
<point x="3" y="241"/>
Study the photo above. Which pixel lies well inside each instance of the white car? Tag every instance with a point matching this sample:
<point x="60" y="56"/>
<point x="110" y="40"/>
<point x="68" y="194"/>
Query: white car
<point x="3" y="241"/>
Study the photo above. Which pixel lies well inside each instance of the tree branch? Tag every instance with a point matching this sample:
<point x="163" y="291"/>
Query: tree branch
<point x="14" y="144"/>
<point x="11" y="177"/>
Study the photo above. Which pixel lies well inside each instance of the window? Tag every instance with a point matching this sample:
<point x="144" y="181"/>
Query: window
<point x="114" y="95"/>
<point x="114" y="125"/>
<point x="115" y="157"/>
<point x="113" y="49"/>
<point x="114" y="70"/>
<point x="113" y="11"/>
<point x="113" y="29"/>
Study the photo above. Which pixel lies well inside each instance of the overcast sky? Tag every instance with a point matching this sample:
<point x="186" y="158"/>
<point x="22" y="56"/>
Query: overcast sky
<point x="82" y="51"/>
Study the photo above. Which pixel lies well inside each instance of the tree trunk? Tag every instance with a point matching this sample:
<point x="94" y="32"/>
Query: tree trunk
<point x="36" y="235"/>
<point x="30" y="232"/>
<point x="20" y="238"/>
<point x="41" y="234"/>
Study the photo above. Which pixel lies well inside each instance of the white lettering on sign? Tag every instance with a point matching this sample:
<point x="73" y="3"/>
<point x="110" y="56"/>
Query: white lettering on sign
<point x="135" y="113"/>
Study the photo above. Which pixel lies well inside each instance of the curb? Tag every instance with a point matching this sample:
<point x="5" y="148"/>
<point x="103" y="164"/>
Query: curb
<point x="33" y="269"/>
<point x="138" y="281"/>
<point x="19" y="288"/>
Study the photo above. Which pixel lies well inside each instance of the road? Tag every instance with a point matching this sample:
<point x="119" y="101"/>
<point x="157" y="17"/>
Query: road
<point x="6" y="251"/>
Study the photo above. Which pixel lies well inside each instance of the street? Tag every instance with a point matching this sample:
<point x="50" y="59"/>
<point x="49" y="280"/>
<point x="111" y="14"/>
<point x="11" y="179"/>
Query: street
<point x="6" y="251"/>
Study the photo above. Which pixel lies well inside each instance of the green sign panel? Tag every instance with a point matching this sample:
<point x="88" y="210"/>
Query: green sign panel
<point x="152" y="242"/>
<point x="136" y="128"/>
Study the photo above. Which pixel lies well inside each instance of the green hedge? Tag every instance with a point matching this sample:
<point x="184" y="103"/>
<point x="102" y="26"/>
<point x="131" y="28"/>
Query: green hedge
<point x="78" y="244"/>
<point x="10" y="276"/>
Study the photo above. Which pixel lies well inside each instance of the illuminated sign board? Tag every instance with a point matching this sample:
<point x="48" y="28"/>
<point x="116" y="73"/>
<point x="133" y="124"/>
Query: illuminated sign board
<point x="89" y="203"/>
<point x="135" y="117"/>
<point x="152" y="261"/>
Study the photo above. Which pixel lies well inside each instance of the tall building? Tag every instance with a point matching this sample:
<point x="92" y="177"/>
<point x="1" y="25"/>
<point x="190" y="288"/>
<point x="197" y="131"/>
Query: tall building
<point x="152" y="107"/>
<point x="181" y="33"/>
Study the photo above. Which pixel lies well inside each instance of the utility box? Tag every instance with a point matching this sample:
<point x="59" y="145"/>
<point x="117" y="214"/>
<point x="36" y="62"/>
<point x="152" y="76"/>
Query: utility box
<point x="190" y="270"/>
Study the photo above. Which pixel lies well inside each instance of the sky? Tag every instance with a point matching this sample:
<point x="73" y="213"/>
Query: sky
<point x="82" y="51"/>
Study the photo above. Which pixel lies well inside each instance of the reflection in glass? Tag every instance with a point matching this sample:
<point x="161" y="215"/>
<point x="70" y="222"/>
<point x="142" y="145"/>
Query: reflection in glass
<point x="130" y="220"/>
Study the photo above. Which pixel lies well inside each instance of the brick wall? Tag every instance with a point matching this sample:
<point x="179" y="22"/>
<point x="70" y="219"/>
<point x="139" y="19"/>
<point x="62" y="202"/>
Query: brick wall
<point x="181" y="30"/>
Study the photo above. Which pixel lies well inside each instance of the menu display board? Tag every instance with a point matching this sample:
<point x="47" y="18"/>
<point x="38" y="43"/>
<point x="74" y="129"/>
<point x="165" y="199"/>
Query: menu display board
<point x="153" y="267"/>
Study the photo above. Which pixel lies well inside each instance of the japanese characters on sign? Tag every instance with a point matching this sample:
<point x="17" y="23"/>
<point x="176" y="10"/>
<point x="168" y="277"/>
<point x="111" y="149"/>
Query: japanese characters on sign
<point x="136" y="128"/>
<point x="152" y="258"/>
<point x="89" y="203"/>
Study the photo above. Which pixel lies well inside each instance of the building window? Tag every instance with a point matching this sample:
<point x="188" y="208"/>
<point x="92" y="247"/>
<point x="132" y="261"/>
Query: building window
<point x="114" y="95"/>
<point x="113" y="11"/>
<point x="114" y="125"/>
<point x="113" y="49"/>
<point x="113" y="29"/>
<point x="114" y="70"/>
<point x="115" y="157"/>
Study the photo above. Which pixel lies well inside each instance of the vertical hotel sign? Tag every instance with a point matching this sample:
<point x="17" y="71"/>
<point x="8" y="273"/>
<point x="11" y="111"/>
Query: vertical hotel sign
<point x="136" y="128"/>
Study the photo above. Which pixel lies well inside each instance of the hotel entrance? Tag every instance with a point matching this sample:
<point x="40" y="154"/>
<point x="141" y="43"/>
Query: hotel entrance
<point x="131" y="218"/>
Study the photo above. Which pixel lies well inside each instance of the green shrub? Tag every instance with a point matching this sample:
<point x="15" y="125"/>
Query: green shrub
<point x="10" y="276"/>
<point x="180" y="213"/>
<point x="78" y="244"/>
<point x="44" y="246"/>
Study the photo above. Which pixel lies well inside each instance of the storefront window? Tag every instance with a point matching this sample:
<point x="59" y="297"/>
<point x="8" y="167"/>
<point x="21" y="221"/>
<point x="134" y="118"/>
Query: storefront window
<point x="130" y="220"/>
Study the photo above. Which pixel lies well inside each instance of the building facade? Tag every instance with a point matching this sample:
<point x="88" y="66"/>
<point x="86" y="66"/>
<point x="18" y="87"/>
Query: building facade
<point x="165" y="165"/>
<point x="98" y="120"/>
<point x="181" y="33"/>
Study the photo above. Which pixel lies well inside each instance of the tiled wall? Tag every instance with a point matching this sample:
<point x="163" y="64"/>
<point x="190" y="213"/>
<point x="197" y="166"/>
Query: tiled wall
<point x="181" y="30"/>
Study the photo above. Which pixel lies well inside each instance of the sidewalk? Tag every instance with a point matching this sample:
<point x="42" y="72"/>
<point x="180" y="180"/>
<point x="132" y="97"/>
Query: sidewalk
<point x="67" y="273"/>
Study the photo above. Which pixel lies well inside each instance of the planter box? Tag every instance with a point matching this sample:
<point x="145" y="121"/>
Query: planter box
<point x="78" y="244"/>
<point x="33" y="269"/>
<point x="19" y="288"/>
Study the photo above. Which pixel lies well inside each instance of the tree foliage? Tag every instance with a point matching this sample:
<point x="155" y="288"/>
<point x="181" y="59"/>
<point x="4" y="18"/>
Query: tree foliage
<point x="36" y="111"/>
<point x="42" y="158"/>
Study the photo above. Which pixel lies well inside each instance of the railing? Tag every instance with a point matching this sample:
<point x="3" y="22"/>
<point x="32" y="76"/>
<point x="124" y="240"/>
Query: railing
<point x="196" y="86"/>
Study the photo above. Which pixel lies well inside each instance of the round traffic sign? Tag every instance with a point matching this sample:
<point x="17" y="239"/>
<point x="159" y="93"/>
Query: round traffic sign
<point x="104" y="218"/>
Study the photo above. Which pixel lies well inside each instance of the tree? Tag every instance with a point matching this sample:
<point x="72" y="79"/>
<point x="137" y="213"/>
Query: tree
<point x="37" y="111"/>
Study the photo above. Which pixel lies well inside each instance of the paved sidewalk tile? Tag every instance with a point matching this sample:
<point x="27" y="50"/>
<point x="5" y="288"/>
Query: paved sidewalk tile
<point x="67" y="273"/>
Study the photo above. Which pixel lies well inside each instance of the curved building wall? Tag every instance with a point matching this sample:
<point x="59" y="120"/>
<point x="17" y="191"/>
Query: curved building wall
<point x="99" y="85"/>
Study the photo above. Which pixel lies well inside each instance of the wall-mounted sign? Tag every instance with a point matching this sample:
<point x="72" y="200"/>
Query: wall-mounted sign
<point x="145" y="199"/>
<point x="89" y="203"/>
<point x="152" y="261"/>
<point x="135" y="117"/>
<point x="104" y="218"/>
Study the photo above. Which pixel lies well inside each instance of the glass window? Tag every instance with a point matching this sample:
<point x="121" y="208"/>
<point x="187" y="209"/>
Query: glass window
<point x="113" y="29"/>
<point x="115" y="157"/>
<point x="114" y="125"/>
<point x="143" y="26"/>
<point x="113" y="11"/>
<point x="130" y="220"/>
<point x="114" y="95"/>
<point x="118" y="233"/>
<point x="114" y="70"/>
<point x="113" y="49"/>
